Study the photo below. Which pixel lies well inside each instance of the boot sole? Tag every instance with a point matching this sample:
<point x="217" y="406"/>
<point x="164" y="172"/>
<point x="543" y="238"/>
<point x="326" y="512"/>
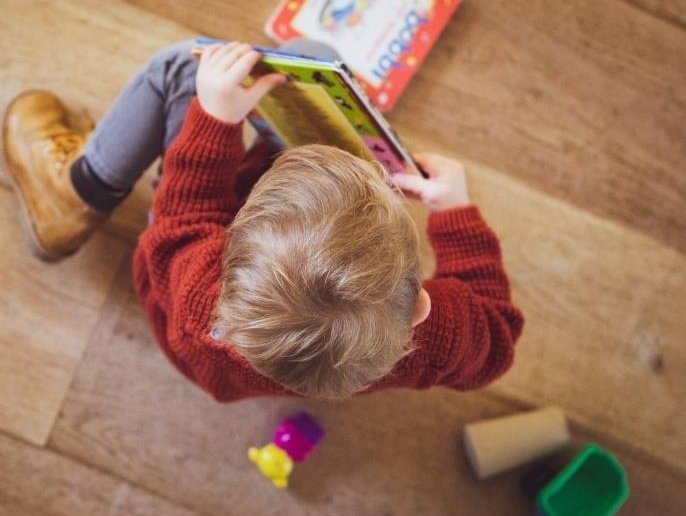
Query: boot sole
<point x="26" y="222"/>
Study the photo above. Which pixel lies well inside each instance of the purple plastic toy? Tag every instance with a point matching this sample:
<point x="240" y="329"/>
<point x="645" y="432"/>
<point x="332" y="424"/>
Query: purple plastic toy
<point x="293" y="441"/>
<point x="298" y="436"/>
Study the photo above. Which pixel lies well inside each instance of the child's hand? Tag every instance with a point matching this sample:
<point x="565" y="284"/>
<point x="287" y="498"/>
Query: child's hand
<point x="218" y="81"/>
<point x="446" y="187"/>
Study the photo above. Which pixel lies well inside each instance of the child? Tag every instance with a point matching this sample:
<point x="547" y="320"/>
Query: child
<point x="310" y="285"/>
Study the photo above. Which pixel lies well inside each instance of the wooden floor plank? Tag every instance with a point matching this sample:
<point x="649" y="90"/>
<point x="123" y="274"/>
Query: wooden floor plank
<point x="53" y="308"/>
<point x="604" y="306"/>
<point x="240" y="21"/>
<point x="36" y="482"/>
<point x="130" y="413"/>
<point x="396" y="452"/>
<point x="48" y="314"/>
<point x="583" y="100"/>
<point x="673" y="11"/>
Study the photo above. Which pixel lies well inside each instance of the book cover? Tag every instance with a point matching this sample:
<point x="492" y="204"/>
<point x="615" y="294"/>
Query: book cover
<point x="383" y="41"/>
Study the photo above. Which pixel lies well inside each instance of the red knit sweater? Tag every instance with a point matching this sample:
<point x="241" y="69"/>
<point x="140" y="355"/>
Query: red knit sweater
<point x="466" y="342"/>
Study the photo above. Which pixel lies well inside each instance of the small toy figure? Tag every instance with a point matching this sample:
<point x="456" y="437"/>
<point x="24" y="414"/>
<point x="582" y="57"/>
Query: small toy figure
<point x="294" y="440"/>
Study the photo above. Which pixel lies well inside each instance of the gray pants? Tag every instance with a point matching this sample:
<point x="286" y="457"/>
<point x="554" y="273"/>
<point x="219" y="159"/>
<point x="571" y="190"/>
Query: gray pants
<point x="149" y="113"/>
<point x="145" y="118"/>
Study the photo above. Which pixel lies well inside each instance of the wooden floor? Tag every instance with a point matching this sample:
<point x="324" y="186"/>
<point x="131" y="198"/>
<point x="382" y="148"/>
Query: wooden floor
<point x="571" y="117"/>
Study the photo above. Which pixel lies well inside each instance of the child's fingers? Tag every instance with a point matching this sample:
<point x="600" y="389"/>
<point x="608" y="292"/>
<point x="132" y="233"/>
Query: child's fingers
<point x="427" y="162"/>
<point x="222" y="50"/>
<point x="410" y="183"/>
<point x="209" y="51"/>
<point x="422" y="157"/>
<point x="265" y="84"/>
<point x="242" y="66"/>
<point x="220" y="54"/>
<point x="232" y="56"/>
<point x="436" y="164"/>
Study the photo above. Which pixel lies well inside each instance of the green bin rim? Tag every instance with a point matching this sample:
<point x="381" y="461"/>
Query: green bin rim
<point x="543" y="498"/>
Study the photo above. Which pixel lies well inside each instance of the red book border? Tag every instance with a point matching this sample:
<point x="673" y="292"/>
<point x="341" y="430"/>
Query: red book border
<point x="397" y="79"/>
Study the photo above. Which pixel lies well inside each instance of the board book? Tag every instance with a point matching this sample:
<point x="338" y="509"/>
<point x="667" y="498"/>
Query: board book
<point x="322" y="103"/>
<point x="383" y="42"/>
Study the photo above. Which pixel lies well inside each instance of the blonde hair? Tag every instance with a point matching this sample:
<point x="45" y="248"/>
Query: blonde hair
<point x="320" y="275"/>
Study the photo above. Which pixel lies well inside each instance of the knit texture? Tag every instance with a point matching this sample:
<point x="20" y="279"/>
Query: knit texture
<point x="466" y="342"/>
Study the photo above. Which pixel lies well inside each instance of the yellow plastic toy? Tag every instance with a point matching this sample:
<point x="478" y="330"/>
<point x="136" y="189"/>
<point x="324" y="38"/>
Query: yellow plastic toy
<point x="274" y="463"/>
<point x="294" y="440"/>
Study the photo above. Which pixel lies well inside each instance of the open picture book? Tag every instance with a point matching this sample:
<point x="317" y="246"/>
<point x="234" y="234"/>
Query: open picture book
<point x="322" y="103"/>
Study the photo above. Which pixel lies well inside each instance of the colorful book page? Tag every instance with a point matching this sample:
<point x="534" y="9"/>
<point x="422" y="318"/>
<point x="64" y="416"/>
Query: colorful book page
<point x="303" y="113"/>
<point x="307" y="73"/>
<point x="383" y="41"/>
<point x="383" y="153"/>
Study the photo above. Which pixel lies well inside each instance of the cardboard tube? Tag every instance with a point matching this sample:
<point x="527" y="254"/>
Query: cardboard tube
<point x="496" y="445"/>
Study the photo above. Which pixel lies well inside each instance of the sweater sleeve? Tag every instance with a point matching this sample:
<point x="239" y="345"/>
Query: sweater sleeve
<point x="200" y="168"/>
<point x="194" y="203"/>
<point x="177" y="265"/>
<point x="257" y="161"/>
<point x="473" y="324"/>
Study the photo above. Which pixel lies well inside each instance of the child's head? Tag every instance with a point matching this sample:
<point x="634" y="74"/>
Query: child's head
<point x="320" y="277"/>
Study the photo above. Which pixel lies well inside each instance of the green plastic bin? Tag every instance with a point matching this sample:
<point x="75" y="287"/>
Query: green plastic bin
<point x="594" y="483"/>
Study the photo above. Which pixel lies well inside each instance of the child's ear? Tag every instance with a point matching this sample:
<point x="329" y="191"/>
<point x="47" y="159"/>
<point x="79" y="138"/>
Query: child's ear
<point x="422" y="309"/>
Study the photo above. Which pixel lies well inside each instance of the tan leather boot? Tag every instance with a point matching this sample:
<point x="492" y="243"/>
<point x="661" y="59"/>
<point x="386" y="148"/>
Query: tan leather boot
<point x="41" y="141"/>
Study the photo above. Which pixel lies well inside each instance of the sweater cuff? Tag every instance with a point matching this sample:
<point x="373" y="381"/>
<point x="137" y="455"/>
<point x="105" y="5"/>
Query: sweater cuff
<point x="448" y="221"/>
<point x="210" y="136"/>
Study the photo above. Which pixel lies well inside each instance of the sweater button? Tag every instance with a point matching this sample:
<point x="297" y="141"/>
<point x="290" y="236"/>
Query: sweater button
<point x="216" y="333"/>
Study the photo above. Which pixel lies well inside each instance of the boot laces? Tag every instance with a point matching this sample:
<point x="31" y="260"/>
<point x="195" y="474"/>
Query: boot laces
<point x="60" y="148"/>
